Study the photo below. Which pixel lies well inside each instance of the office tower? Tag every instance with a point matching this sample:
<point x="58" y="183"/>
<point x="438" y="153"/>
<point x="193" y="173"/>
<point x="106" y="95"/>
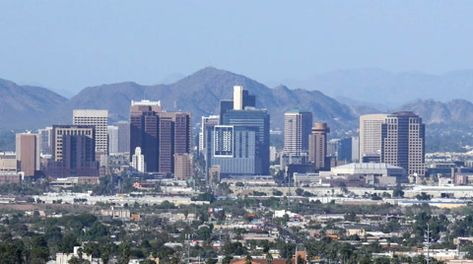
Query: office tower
<point x="73" y="152"/>
<point x="45" y="140"/>
<point x="297" y="128"/>
<point x="355" y="149"/>
<point x="206" y="123"/>
<point x="159" y="134"/>
<point x="78" y="157"/>
<point x="59" y="131"/>
<point x="242" y="99"/>
<point x="138" y="160"/>
<point x="403" y="142"/>
<point x="112" y="132"/>
<point x="370" y="134"/>
<point x="234" y="150"/>
<point x="318" y="146"/>
<point x="259" y="120"/>
<point x="98" y="119"/>
<point x="183" y="166"/>
<point x="246" y="115"/>
<point x="27" y="153"/>
<point x="205" y="138"/>
<point x="123" y="136"/>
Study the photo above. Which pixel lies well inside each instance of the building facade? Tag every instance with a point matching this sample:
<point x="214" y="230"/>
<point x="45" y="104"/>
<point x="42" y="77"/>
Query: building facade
<point x="27" y="153"/>
<point x="370" y="134"/>
<point x="403" y="142"/>
<point x="297" y="128"/>
<point x="98" y="119"/>
<point x="159" y="134"/>
<point x="318" y="146"/>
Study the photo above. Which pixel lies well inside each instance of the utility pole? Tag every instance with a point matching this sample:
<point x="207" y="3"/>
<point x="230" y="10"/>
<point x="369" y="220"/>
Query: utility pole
<point x="427" y="242"/>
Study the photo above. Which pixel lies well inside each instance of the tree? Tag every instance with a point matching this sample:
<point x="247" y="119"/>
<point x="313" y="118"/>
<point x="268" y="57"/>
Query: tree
<point x="269" y="258"/>
<point x="248" y="259"/>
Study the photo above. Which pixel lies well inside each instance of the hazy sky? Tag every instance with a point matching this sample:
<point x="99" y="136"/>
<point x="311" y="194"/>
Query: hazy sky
<point x="67" y="45"/>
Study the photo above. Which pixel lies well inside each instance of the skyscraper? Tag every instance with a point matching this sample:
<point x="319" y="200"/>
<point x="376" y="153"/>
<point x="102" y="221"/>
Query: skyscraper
<point x="183" y="168"/>
<point x="113" y="136"/>
<point x="27" y="153"/>
<point x="403" y="142"/>
<point x="45" y="140"/>
<point x="297" y="128"/>
<point x="73" y="151"/>
<point x="370" y="134"/>
<point x="259" y="120"/>
<point x="98" y="119"/>
<point x="244" y="119"/>
<point x="234" y="150"/>
<point x="123" y="136"/>
<point x="318" y="146"/>
<point x="159" y="134"/>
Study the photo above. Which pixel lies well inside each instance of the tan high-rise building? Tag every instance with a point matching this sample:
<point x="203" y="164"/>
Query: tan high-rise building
<point x="27" y="153"/>
<point x="98" y="119"/>
<point x="297" y="128"/>
<point x="318" y="146"/>
<point x="182" y="166"/>
<point x="370" y="134"/>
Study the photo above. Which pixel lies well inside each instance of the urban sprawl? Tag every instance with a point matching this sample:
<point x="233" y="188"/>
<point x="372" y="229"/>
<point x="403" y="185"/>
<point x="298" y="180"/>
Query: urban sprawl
<point x="160" y="188"/>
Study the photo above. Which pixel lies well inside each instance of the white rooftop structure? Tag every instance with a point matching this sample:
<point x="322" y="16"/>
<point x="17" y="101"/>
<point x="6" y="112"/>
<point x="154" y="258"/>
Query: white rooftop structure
<point x="146" y="103"/>
<point x="381" y="169"/>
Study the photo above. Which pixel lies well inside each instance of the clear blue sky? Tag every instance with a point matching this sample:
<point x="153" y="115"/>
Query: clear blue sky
<point x="67" y="45"/>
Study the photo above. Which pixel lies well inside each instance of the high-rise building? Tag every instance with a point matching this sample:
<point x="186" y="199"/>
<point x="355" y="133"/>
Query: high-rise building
<point x="247" y="116"/>
<point x="403" y="142"/>
<point x="45" y="140"/>
<point x="27" y="153"/>
<point x="159" y="134"/>
<point x="113" y="135"/>
<point x="98" y="119"/>
<point x="123" y="136"/>
<point x="59" y="131"/>
<point x="208" y="122"/>
<point x="242" y="98"/>
<point x="370" y="134"/>
<point x="138" y="160"/>
<point x="297" y="128"/>
<point x="183" y="166"/>
<point x="205" y="138"/>
<point x="318" y="146"/>
<point x="78" y="157"/>
<point x="355" y="149"/>
<point x="73" y="151"/>
<point x="234" y="150"/>
<point x="259" y="120"/>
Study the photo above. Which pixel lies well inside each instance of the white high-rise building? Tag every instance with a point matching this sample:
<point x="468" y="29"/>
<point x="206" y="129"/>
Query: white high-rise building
<point x="297" y="128"/>
<point x="238" y="97"/>
<point x="207" y="122"/>
<point x="370" y="134"/>
<point x="98" y="119"/>
<point x="138" y="160"/>
<point x="112" y="139"/>
<point x="45" y="140"/>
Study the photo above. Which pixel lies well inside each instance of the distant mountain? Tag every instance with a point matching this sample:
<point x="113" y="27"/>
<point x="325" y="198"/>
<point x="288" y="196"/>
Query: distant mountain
<point x="392" y="89"/>
<point x="201" y="92"/>
<point x="26" y="106"/>
<point x="457" y="111"/>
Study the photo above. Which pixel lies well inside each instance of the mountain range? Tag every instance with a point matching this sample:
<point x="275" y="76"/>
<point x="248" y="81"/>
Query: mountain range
<point x="29" y="107"/>
<point x="370" y="84"/>
<point x="198" y="93"/>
